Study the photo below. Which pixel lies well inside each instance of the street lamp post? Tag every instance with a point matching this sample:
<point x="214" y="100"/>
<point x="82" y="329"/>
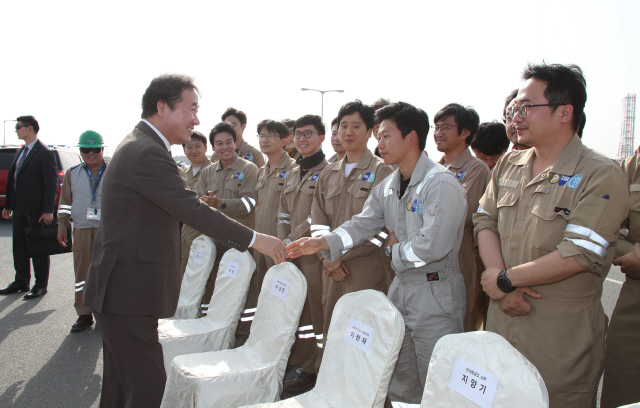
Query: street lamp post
<point x="323" y="92"/>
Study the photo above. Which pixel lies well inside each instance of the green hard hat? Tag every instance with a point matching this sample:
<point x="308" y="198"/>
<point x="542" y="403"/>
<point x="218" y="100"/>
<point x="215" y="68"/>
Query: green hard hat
<point x="90" y="139"/>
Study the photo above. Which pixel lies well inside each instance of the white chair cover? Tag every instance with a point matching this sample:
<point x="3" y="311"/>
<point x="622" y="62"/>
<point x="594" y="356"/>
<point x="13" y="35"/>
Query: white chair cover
<point x="252" y="373"/>
<point x="216" y="331"/>
<point x="202" y="256"/>
<point x="350" y="377"/>
<point x="519" y="383"/>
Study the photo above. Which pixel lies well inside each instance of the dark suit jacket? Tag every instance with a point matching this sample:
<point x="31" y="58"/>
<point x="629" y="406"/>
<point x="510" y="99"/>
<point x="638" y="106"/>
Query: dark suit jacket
<point x="36" y="188"/>
<point x="135" y="268"/>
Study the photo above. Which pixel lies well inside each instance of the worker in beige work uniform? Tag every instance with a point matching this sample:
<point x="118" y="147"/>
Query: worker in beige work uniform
<point x="273" y="137"/>
<point x="343" y="189"/>
<point x="80" y="201"/>
<point x="455" y="126"/>
<point x="335" y="143"/>
<point x="294" y="222"/>
<point x="196" y="152"/>
<point x="623" y="335"/>
<point x="238" y="120"/>
<point x="547" y="228"/>
<point x="230" y="186"/>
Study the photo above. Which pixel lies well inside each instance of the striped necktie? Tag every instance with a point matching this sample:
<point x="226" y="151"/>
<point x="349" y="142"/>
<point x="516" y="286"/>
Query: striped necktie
<point x="24" y="156"/>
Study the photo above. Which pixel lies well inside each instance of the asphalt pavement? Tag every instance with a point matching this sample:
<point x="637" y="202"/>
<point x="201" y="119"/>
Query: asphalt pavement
<point x="43" y="364"/>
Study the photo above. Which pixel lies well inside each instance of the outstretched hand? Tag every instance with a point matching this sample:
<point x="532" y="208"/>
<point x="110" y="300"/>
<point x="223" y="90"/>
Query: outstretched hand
<point x="271" y="247"/>
<point x="306" y="246"/>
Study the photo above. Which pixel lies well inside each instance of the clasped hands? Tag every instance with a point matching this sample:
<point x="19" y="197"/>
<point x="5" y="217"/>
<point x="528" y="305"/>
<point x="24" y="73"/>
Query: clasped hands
<point x="512" y="303"/>
<point x="211" y="200"/>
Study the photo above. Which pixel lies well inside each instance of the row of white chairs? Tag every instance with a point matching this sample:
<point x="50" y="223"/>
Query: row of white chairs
<point x="362" y="346"/>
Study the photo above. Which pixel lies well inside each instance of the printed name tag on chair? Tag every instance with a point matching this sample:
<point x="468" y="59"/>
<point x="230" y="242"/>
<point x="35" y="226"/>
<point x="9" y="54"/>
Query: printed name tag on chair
<point x="232" y="269"/>
<point x="197" y="258"/>
<point x="473" y="383"/>
<point x="280" y="288"/>
<point x="359" y="335"/>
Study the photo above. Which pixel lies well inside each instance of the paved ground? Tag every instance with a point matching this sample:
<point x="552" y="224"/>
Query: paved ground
<point x="42" y="364"/>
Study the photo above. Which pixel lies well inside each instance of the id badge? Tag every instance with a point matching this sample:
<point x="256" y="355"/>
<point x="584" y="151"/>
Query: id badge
<point x="93" y="214"/>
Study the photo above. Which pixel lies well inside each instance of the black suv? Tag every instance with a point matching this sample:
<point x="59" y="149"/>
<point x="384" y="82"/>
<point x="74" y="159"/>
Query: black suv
<point x="65" y="158"/>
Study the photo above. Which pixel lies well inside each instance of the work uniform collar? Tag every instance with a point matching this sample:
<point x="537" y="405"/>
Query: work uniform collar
<point x="423" y="165"/>
<point x="284" y="159"/>
<point x="234" y="165"/>
<point x="362" y="163"/>
<point x="204" y="164"/>
<point x="459" y="161"/>
<point x="565" y="163"/>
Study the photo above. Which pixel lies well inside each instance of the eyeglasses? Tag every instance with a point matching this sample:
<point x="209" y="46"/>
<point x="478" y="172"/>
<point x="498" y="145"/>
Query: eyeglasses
<point x="307" y="134"/>
<point x="443" y="129"/>
<point x="268" y="136"/>
<point x="18" y="126"/>
<point x="87" y="150"/>
<point x="492" y="159"/>
<point x="523" y="109"/>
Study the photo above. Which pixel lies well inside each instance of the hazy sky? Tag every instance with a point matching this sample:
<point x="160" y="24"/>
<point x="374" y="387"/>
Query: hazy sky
<point x="85" y="65"/>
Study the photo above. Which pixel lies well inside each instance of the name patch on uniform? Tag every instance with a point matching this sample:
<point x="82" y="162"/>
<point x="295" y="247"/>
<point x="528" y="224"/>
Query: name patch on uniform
<point x="575" y="181"/>
<point x="312" y="187"/>
<point x="365" y="189"/>
<point x="564" y="210"/>
<point x="508" y="183"/>
<point x="414" y="205"/>
<point x="460" y="175"/>
<point x="563" y="180"/>
<point x="248" y="156"/>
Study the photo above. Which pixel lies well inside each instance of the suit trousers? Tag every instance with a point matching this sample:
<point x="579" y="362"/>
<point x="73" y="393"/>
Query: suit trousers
<point x="21" y="261"/>
<point x="82" y="249"/>
<point x="133" y="369"/>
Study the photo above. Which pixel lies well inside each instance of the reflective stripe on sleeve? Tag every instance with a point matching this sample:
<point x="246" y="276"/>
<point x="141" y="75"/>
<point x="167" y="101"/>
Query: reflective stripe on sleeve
<point x="246" y="204"/>
<point x="246" y="319"/>
<point x="319" y="233"/>
<point x="306" y="336"/>
<point x="320" y="336"/>
<point x="64" y="206"/>
<point x="80" y="289"/>
<point x="309" y="220"/>
<point x="252" y="201"/>
<point x="283" y="215"/>
<point x="318" y="227"/>
<point x="64" y="211"/>
<point x="595" y="248"/>
<point x="347" y="242"/>
<point x="80" y="283"/>
<point x="481" y="210"/>
<point x="376" y="241"/>
<point x="246" y="311"/>
<point x="383" y="235"/>
<point x="320" y="345"/>
<point x="305" y="328"/>
<point x="586" y="232"/>
<point x="204" y="306"/>
<point x="411" y="257"/>
<point x="284" y="222"/>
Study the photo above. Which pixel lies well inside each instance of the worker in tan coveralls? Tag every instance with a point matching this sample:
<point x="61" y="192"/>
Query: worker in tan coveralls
<point x="455" y="126"/>
<point x="196" y="152"/>
<point x="294" y="222"/>
<point x="335" y="143"/>
<point x="238" y="120"/>
<point x="622" y="362"/>
<point x="547" y="228"/>
<point x="80" y="201"/>
<point x="343" y="189"/>
<point x="273" y="137"/>
<point x="230" y="186"/>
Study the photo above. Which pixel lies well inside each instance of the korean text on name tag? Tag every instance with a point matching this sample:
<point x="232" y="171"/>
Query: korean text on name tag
<point x="359" y="334"/>
<point x="280" y="288"/>
<point x="197" y="258"/>
<point x="473" y="383"/>
<point x="232" y="269"/>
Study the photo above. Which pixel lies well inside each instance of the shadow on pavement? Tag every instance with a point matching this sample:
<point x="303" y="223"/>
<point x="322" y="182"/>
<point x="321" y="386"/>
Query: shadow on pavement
<point x="69" y="377"/>
<point x="18" y="317"/>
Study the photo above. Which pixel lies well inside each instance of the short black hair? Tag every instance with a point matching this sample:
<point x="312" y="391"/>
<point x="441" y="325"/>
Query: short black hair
<point x="167" y="88"/>
<point x="314" y="120"/>
<point x="365" y="111"/>
<point x="465" y="117"/>
<point x="380" y="103"/>
<point x="220" y="128"/>
<point x="242" y="117"/>
<point x="407" y="118"/>
<point x="275" y="127"/>
<point x="583" y="123"/>
<point x="197" y="136"/>
<point x="334" y="122"/>
<point x="288" y="122"/>
<point x="29" y="121"/>
<point x="566" y="85"/>
<point x="491" y="139"/>
<point x="508" y="100"/>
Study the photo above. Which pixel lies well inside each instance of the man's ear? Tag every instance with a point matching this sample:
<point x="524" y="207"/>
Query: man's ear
<point x="162" y="107"/>
<point x="566" y="113"/>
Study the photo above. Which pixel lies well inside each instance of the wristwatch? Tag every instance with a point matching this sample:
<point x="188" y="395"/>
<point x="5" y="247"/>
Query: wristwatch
<point x="504" y="284"/>
<point x="223" y="205"/>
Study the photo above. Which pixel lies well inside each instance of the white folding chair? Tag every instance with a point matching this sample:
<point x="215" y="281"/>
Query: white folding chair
<point x="361" y="350"/>
<point x="518" y="382"/>
<point x="202" y="256"/>
<point x="253" y="372"/>
<point x="215" y="331"/>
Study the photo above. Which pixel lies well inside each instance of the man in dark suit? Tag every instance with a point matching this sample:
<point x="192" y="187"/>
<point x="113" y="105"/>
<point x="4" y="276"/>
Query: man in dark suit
<point x="31" y="195"/>
<point x="134" y="275"/>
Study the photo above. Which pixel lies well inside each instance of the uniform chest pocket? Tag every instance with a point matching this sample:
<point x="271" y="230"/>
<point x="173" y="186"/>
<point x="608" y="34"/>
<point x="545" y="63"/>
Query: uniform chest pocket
<point x="310" y="188"/>
<point x="332" y="191"/>
<point x="550" y="221"/>
<point x="289" y="187"/>
<point x="634" y="195"/>
<point x="507" y="210"/>
<point x="360" y="190"/>
<point x="232" y="185"/>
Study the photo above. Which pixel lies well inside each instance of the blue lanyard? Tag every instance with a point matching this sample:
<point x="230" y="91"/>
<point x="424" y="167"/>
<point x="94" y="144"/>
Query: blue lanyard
<point x="95" y="182"/>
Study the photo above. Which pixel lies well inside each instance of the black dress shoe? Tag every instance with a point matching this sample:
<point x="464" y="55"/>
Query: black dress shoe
<point x="303" y="383"/>
<point x="13" y="288"/>
<point x="83" y="322"/>
<point x="35" y="292"/>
